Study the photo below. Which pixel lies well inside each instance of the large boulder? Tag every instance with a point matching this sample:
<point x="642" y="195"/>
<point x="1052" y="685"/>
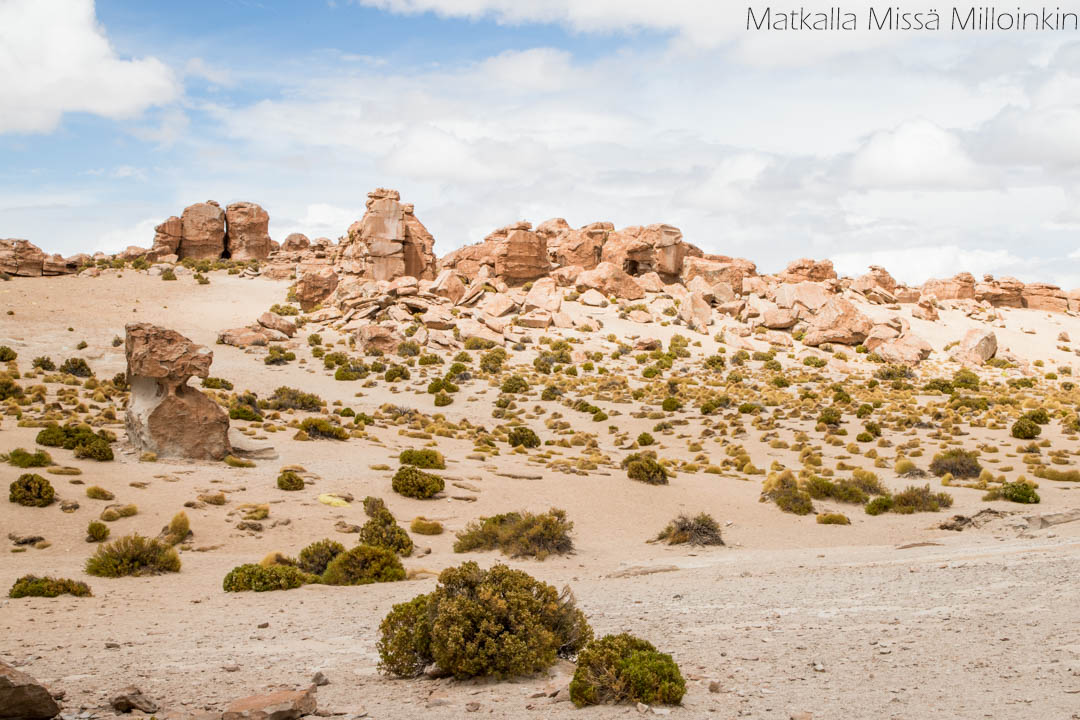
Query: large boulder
<point x="543" y="295"/>
<point x="1043" y="296"/>
<point x="21" y="258"/>
<point x="388" y="242"/>
<point x="1004" y="292"/>
<point x="247" y="231"/>
<point x="905" y="350"/>
<point x="803" y="296"/>
<point x="959" y="287"/>
<point x="167" y="237"/>
<point x="718" y="268"/>
<point x="521" y="257"/>
<point x="610" y="280"/>
<point x="24" y="698"/>
<point x="839" y="321"/>
<point x="165" y="415"/>
<point x="977" y="346"/>
<point x="807" y="270"/>
<point x="202" y="231"/>
<point x="583" y="247"/>
<point x="277" y="705"/>
<point x="877" y="278"/>
<point x="295" y="242"/>
<point x="655" y="248"/>
<point x="379" y="337"/>
<point x="315" y="285"/>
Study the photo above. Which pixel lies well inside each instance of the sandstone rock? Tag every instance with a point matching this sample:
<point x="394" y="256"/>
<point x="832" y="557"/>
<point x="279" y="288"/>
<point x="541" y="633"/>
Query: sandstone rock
<point x="1074" y="301"/>
<point x="838" y="322"/>
<point x="521" y="257"/>
<point x="498" y="304"/>
<point x="729" y="270"/>
<point x="1005" y="292"/>
<point x="315" y="285"/>
<point x="583" y="248"/>
<point x="566" y="276"/>
<point x="167" y="238"/>
<point x="243" y="337"/>
<point x="807" y="270"/>
<point x="388" y="242"/>
<point x="379" y="337"/>
<point x="906" y="350"/>
<point x="280" y="705"/>
<point x="537" y="319"/>
<point x="202" y="231"/>
<point x="553" y="227"/>
<point x="543" y="295"/>
<point x="878" y="277"/>
<point x="21" y="258"/>
<point x="655" y="248"/>
<point x="277" y="322"/>
<point x="925" y="309"/>
<point x="247" y="235"/>
<point x="56" y="265"/>
<point x="132" y="698"/>
<point x="977" y="346"/>
<point x="448" y="285"/>
<point x="650" y="282"/>
<point x="958" y="287"/>
<point x="610" y="280"/>
<point x="165" y="415"/>
<point x="593" y="298"/>
<point x="24" y="698"/>
<point x="811" y="296"/>
<point x="1043" y="296"/>
<point x="295" y="242"/>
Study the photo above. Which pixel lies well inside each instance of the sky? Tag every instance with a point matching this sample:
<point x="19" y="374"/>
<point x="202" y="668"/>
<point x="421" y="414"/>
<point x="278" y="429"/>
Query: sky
<point x="928" y="153"/>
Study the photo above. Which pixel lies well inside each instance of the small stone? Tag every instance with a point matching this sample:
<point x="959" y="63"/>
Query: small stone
<point x="263" y="626"/>
<point x="131" y="698"/>
<point x="642" y="708"/>
<point x="714" y="687"/>
<point x="472" y="707"/>
<point x="319" y="679"/>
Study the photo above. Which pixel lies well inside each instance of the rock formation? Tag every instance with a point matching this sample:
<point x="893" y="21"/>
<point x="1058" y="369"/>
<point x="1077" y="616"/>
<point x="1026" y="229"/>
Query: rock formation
<point x="247" y="235"/>
<point x="805" y="269"/>
<point x="388" y="242"/>
<point x="24" y="698"/>
<point x="165" y="415"/>
<point x="21" y="258"/>
<point x="167" y="237"/>
<point x="202" y="233"/>
<point x="959" y="287"/>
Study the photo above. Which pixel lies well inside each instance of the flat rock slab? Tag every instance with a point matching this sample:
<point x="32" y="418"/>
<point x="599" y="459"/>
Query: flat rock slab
<point x="280" y="705"/>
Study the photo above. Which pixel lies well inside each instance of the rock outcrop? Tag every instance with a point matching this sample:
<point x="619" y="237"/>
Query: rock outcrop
<point x="315" y="285"/>
<point x="24" y="698"/>
<point x="388" y="242"/>
<point x="1043" y="296"/>
<point x="838" y="321"/>
<point x="655" y="248"/>
<point x="21" y="258"/>
<point x="1004" y="292"/>
<point x="959" y="287"/>
<point x="977" y="346"/>
<point x="521" y="256"/>
<point x="247" y="231"/>
<point x="202" y="233"/>
<point x="167" y="237"/>
<point x="165" y="415"/>
<point x="807" y="270"/>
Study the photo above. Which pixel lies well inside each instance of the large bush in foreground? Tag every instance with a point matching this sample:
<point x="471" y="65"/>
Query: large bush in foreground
<point x="498" y="622"/>
<point x="133" y="555"/>
<point x="623" y="668"/>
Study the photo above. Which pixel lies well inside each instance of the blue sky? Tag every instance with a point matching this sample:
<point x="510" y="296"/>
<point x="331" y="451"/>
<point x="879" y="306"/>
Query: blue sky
<point x="928" y="154"/>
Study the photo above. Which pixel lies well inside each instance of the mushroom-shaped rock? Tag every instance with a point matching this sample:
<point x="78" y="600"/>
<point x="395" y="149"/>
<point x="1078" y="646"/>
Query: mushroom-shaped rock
<point x="165" y="415"/>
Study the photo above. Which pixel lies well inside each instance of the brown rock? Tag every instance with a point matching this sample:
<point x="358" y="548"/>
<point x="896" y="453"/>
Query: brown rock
<point x="280" y="705"/>
<point x="958" y="287"/>
<point x="315" y="285"/>
<point x="810" y="296"/>
<point x="925" y="309"/>
<point x="388" y="242"/>
<point x="21" y="258"/>
<point x="132" y="698"/>
<point x="610" y="280"/>
<point x="295" y="243"/>
<point x="838" y="322"/>
<point x="243" y="337"/>
<point x="56" y="265"/>
<point x="1043" y="296"/>
<point x="1006" y="292"/>
<point x="807" y="270"/>
<point x="247" y="235"/>
<point x="543" y="295"/>
<point x="167" y="238"/>
<point x="521" y="257"/>
<point x="379" y="337"/>
<point x="278" y="323"/>
<point x="977" y="346"/>
<point x="165" y="415"/>
<point x="906" y="350"/>
<point x="878" y="277"/>
<point x="448" y="285"/>
<point x="498" y="304"/>
<point x="714" y="269"/>
<point x="24" y="698"/>
<point x="583" y="248"/>
<point x="202" y="231"/>
<point x="655" y="248"/>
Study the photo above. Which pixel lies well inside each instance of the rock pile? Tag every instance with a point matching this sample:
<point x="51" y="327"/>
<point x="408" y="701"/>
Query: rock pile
<point x="205" y="231"/>
<point x="165" y="415"/>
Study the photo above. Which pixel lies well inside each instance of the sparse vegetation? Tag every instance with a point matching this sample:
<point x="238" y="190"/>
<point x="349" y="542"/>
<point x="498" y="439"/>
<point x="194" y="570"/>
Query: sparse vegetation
<point x="701" y="529"/>
<point x="519" y="534"/>
<point x="49" y="587"/>
<point x="623" y="668"/>
<point x="133" y="555"/>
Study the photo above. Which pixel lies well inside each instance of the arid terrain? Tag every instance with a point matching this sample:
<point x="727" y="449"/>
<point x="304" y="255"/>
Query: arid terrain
<point x="889" y="616"/>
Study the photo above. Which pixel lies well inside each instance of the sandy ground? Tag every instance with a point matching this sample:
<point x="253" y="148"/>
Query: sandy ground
<point x="790" y="616"/>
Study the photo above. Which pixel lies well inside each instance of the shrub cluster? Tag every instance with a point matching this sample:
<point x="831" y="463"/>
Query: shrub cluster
<point x="643" y="467"/>
<point x="363" y="565"/>
<point x="50" y="587"/>
<point x="318" y="427"/>
<point x="783" y="489"/>
<point x="911" y="500"/>
<point x="412" y="482"/>
<point x="701" y="529"/>
<point x="519" y="534"/>
<point x="260" y="578"/>
<point x="133" y="555"/>
<point x="623" y="668"/>
<point x="314" y="558"/>
<point x="958" y="463"/>
<point x="382" y="530"/>
<point x="427" y="458"/>
<point x="290" y="480"/>
<point x="31" y="490"/>
<point x="522" y="436"/>
<point x="20" y="458"/>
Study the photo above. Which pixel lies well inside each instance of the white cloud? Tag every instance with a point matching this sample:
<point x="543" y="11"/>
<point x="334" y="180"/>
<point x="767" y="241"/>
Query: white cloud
<point x="917" y="154"/>
<point x="55" y="58"/>
<point x="916" y="264"/>
<point x="140" y="234"/>
<point x="197" y="67"/>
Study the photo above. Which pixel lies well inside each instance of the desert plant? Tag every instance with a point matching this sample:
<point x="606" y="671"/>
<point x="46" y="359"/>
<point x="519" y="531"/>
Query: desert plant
<point x="522" y="436"/>
<point x="623" y="668"/>
<point x="315" y="557"/>
<point x="414" y="483"/>
<point x="31" y="490"/>
<point x="178" y="529"/>
<point x="362" y="565"/>
<point x="43" y="362"/>
<point x="318" y="427"/>
<point x="498" y="622"/>
<point x="50" y="587"/>
<point x="97" y="531"/>
<point x="262" y="578"/>
<point x="20" y="458"/>
<point x="645" y="439"/>
<point x="133" y="555"/>
<point x="514" y="384"/>
<point x="96" y="492"/>
<point x="1025" y="429"/>
<point x="1017" y="492"/>
<point x="701" y="529"/>
<point x="279" y="356"/>
<point x="76" y="367"/>
<point x="427" y="458"/>
<point x="383" y="531"/>
<point x="287" y="398"/>
<point x="519" y="534"/>
<point x="290" y="480"/>
<point x="423" y="526"/>
<point x="115" y="512"/>
<point x="959" y="463"/>
<point x="833" y="519"/>
<point x="643" y="467"/>
<point x="783" y="489"/>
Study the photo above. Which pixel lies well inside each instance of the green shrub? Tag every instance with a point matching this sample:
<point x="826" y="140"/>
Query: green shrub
<point x="318" y="427"/>
<point x="97" y="531"/>
<point x="833" y="519"/>
<point x="50" y="587"/>
<point x="383" y="531"/>
<point x="783" y="489"/>
<point x="423" y="526"/>
<point x="959" y="463"/>
<point x="76" y="367"/>
<point x="1017" y="492"/>
<point x="243" y="411"/>
<point x="920" y="499"/>
<point x="133" y="555"/>
<point x="288" y="310"/>
<point x="427" y="458"/>
<point x="115" y="512"/>
<point x="290" y="480"/>
<point x="20" y="458"/>
<point x="31" y="490"/>
<point x="1026" y="429"/>
<point x="643" y="467"/>
<point x="514" y="384"/>
<point x="71" y="436"/>
<point x="645" y="439"/>
<point x="414" y="483"/>
<point x="623" y="668"/>
<point x="699" y="530"/>
<point x="279" y="356"/>
<point x="442" y="399"/>
<point x="168" y="274"/>
<point x="287" y="398"/>
<point x="397" y="372"/>
<point x="362" y="565"/>
<point x="96" y="492"/>
<point x="477" y="623"/>
<point x="965" y="380"/>
<point x="7" y="354"/>
<point x="814" y="361"/>
<point x="216" y="383"/>
<point x="1058" y="475"/>
<point x="830" y="416"/>
<point x="43" y="362"/>
<point x="262" y="578"/>
<point x="522" y="436"/>
<point x="316" y="557"/>
<point x="879" y="505"/>
<point x="94" y="447"/>
<point x="519" y="534"/>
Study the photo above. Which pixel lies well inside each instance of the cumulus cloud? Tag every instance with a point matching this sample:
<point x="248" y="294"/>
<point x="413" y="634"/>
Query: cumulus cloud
<point x="55" y="58"/>
<point x="917" y="154"/>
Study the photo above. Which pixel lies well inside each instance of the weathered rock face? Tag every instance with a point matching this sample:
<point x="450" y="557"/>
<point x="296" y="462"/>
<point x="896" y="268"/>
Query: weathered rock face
<point x="838" y="322"/>
<point x="925" y="310"/>
<point x="878" y="277"/>
<point x="165" y="415"/>
<point x="807" y="270"/>
<point x="806" y="297"/>
<point x="1005" y="292"/>
<point x="247" y="234"/>
<point x="1043" y="296"/>
<point x="21" y="258"/>
<point x="379" y="337"/>
<point x="24" y="698"/>
<point x="388" y="242"/>
<point x="977" y="346"/>
<point x="523" y="256"/>
<point x="718" y="268"/>
<point x="202" y="234"/>
<point x="295" y="243"/>
<point x="167" y="238"/>
<point x="655" y="248"/>
<point x="958" y="287"/>
<point x="315" y="285"/>
<point x="583" y="248"/>
<point x="610" y="280"/>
